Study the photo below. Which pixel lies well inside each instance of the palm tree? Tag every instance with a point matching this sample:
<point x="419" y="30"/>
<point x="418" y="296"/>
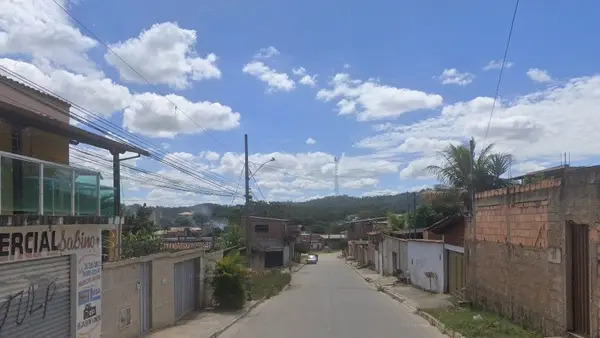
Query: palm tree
<point x="487" y="167"/>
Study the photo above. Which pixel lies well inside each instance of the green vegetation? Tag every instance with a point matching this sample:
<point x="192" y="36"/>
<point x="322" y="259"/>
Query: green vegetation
<point x="228" y="282"/>
<point x="490" y="325"/>
<point x="232" y="236"/>
<point x="487" y="167"/>
<point x="141" y="243"/>
<point x="269" y="283"/>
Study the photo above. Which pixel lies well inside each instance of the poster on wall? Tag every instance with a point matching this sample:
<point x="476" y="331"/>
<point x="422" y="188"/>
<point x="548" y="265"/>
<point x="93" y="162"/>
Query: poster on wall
<point x="89" y="295"/>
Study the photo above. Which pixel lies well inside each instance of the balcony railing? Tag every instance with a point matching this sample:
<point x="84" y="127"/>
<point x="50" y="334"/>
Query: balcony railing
<point x="29" y="186"/>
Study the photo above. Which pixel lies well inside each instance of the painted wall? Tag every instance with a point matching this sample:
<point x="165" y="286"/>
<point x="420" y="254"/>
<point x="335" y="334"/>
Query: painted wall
<point x="18" y="244"/>
<point x="426" y="256"/>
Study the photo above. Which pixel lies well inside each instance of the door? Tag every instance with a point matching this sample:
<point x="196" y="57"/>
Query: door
<point x="456" y="273"/>
<point x="185" y="287"/>
<point x="580" y="309"/>
<point x="273" y="259"/>
<point x="145" y="296"/>
<point x="35" y="298"/>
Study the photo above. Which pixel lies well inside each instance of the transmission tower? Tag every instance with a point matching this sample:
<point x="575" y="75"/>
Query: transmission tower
<point x="337" y="183"/>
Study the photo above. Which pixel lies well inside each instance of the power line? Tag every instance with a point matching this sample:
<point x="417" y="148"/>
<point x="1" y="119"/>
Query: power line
<point x="156" y="152"/>
<point x="136" y="71"/>
<point x="238" y="186"/>
<point x="512" y="24"/>
<point x="259" y="189"/>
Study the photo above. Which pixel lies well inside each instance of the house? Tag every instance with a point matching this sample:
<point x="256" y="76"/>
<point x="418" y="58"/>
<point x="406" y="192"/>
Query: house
<point x="51" y="217"/>
<point x="313" y="242"/>
<point x="272" y="243"/>
<point x="334" y="241"/>
<point x="451" y="231"/>
<point x="357" y="232"/>
<point x="531" y="252"/>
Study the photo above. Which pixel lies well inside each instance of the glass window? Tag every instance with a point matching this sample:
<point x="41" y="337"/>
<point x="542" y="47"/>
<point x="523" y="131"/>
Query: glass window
<point x="57" y="190"/>
<point x="20" y="187"/>
<point x="86" y="193"/>
<point x="107" y="201"/>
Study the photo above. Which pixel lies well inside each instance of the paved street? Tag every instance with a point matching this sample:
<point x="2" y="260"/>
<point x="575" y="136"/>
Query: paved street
<point x="330" y="300"/>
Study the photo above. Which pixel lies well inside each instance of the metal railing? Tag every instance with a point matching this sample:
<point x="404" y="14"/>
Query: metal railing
<point x="35" y="187"/>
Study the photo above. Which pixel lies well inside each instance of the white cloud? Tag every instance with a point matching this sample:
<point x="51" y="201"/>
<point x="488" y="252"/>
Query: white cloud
<point x="539" y="75"/>
<point x="359" y="183"/>
<point x="497" y="64"/>
<point x="305" y="78"/>
<point x="310" y="140"/>
<point x="380" y="192"/>
<point x="453" y="76"/>
<point x="100" y="95"/>
<point x="163" y="54"/>
<point x="373" y="101"/>
<point x="267" y="52"/>
<point x="210" y="155"/>
<point x="533" y="127"/>
<point x="153" y="115"/>
<point x="41" y="29"/>
<point x="418" y="168"/>
<point x="526" y="167"/>
<point x="274" y="80"/>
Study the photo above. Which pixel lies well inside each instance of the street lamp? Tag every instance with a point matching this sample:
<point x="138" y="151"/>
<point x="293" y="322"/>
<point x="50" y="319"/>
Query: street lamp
<point x="260" y="166"/>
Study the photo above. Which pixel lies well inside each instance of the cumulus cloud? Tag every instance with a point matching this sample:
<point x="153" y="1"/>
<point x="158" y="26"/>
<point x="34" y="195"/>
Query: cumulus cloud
<point x="539" y="75"/>
<point x="497" y="64"/>
<point x="163" y="54"/>
<point x="310" y="140"/>
<point x="267" y="52"/>
<point x="453" y="76"/>
<point x="275" y="81"/>
<point x="153" y="115"/>
<point x="41" y="29"/>
<point x="305" y="78"/>
<point x="418" y="168"/>
<point x="373" y="101"/>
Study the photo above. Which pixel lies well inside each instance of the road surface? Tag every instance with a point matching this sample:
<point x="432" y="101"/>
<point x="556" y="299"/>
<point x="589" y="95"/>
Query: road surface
<point x="329" y="300"/>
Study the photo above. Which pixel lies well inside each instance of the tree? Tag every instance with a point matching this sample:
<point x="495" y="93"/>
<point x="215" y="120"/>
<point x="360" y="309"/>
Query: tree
<point x="140" y="222"/>
<point x="488" y="168"/>
<point x="396" y="222"/>
<point x="182" y="221"/>
<point x="425" y="216"/>
<point x="318" y="229"/>
<point x="232" y="236"/>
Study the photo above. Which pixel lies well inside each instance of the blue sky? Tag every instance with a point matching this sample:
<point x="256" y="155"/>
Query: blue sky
<point x="386" y="84"/>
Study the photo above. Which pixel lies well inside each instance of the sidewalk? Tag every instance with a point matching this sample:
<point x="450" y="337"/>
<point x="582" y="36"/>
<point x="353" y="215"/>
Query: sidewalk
<point x="208" y="323"/>
<point x="410" y="295"/>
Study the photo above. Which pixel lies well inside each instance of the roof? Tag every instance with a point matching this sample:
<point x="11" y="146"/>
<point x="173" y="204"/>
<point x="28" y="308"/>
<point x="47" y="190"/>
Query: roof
<point x="360" y="242"/>
<point x="408" y="231"/>
<point x="553" y="171"/>
<point x="44" y="122"/>
<point x="445" y="223"/>
<point x="367" y="220"/>
<point x="18" y="85"/>
<point x="334" y="236"/>
<point x="269" y="219"/>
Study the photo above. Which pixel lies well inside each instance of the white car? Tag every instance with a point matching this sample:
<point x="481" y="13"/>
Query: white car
<point x="312" y="259"/>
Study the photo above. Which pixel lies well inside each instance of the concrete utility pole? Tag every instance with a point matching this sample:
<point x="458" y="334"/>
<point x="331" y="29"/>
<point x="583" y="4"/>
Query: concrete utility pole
<point x="247" y="206"/>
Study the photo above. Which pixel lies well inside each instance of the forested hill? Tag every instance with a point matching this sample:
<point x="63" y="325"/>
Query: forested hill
<point x="323" y="211"/>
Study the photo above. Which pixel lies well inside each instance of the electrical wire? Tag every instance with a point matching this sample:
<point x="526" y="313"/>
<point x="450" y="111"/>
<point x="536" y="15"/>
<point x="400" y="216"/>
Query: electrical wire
<point x="238" y="186"/>
<point x="512" y="24"/>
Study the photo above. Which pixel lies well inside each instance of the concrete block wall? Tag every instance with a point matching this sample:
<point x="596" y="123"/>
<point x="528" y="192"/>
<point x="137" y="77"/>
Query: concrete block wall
<point x="517" y="261"/>
<point x="120" y="289"/>
<point x="426" y="256"/>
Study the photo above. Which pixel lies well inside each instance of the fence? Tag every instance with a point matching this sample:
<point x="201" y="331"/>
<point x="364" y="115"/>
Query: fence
<point x="135" y="299"/>
<point x="426" y="264"/>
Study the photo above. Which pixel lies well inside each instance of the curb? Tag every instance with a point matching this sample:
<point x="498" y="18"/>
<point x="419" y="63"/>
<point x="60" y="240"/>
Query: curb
<point x="429" y="318"/>
<point x="238" y="318"/>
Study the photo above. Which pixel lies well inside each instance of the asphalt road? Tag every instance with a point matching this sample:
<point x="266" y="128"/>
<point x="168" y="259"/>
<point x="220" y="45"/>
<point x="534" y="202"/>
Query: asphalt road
<point x="329" y="300"/>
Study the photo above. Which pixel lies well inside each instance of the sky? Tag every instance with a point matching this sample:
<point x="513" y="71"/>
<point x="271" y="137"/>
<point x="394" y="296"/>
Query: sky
<point x="383" y="86"/>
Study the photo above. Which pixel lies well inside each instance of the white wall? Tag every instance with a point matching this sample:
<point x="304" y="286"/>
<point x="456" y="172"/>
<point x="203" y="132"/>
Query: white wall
<point x="426" y="256"/>
<point x="286" y="255"/>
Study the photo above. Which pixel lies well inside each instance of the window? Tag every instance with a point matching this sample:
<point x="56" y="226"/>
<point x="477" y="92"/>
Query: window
<point x="261" y="228"/>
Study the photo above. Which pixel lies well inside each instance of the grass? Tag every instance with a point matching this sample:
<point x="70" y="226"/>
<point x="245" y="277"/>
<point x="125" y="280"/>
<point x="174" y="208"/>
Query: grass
<point x="268" y="284"/>
<point x="491" y="325"/>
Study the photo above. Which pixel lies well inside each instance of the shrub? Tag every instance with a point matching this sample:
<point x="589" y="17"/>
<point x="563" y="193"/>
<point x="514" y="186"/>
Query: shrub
<point x="228" y="282"/>
<point x="141" y="243"/>
<point x="269" y="283"/>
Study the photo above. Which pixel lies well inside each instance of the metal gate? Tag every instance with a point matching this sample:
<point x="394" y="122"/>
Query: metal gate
<point x="35" y="298"/>
<point x="185" y="287"/>
<point x="145" y="296"/>
<point x="273" y="259"/>
<point x="456" y="273"/>
<point x="580" y="279"/>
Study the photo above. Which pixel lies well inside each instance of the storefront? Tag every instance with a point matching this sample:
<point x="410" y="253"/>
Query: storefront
<point x="51" y="281"/>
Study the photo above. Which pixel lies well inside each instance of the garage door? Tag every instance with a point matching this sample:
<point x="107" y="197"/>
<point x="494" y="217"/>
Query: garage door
<point x="273" y="259"/>
<point x="456" y="273"/>
<point x="35" y="298"/>
<point x="185" y="288"/>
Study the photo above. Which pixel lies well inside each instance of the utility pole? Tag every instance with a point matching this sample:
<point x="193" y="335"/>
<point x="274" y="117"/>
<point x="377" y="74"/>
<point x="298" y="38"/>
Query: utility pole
<point x="247" y="206"/>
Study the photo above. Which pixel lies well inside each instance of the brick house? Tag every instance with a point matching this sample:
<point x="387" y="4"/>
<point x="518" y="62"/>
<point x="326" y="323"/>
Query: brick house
<point x="532" y="253"/>
<point x="272" y="242"/>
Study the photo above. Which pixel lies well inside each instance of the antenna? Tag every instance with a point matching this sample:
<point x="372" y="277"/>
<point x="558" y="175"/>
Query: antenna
<point x="337" y="183"/>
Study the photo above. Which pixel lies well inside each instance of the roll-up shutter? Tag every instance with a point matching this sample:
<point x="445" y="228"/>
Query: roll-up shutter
<point x="35" y="298"/>
<point x="185" y="287"/>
